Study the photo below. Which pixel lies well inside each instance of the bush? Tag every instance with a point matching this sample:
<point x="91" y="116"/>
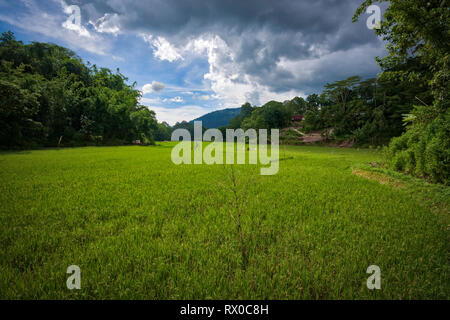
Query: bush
<point x="423" y="150"/>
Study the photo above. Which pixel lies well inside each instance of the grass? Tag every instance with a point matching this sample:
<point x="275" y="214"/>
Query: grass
<point x="140" y="227"/>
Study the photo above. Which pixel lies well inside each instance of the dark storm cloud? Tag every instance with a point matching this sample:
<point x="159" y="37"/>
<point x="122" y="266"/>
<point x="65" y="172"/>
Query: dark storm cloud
<point x="260" y="32"/>
<point x="315" y="19"/>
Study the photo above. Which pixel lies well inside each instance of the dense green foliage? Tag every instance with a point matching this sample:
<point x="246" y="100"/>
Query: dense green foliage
<point x="366" y="111"/>
<point x="50" y="98"/>
<point x="424" y="150"/>
<point x="273" y="114"/>
<point x="310" y="231"/>
<point x="370" y="112"/>
<point x="418" y="36"/>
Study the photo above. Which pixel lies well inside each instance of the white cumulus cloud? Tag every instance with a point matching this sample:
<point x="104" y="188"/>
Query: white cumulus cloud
<point x="163" y="49"/>
<point x="155" y="86"/>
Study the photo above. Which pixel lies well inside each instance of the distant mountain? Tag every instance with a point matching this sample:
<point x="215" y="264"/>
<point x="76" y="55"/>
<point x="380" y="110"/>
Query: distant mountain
<point x="218" y="118"/>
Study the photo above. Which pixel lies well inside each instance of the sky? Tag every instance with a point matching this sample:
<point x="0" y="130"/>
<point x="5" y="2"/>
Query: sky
<point x="191" y="57"/>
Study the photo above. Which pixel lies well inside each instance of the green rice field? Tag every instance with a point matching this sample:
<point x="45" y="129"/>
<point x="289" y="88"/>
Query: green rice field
<point x="141" y="227"/>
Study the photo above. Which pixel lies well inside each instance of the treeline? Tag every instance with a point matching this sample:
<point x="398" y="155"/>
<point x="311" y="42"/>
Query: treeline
<point x="49" y="97"/>
<point x="368" y="112"/>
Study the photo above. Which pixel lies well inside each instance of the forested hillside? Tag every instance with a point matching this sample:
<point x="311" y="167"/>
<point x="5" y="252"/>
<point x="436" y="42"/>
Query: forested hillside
<point x="218" y="118"/>
<point x="50" y="97"/>
<point x="369" y="112"/>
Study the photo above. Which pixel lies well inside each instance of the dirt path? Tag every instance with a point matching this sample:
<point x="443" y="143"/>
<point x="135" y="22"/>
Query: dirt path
<point x="312" y="137"/>
<point x="293" y="129"/>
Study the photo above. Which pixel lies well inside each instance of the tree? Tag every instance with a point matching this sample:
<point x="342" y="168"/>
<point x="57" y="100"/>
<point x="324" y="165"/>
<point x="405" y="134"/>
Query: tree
<point x="163" y="132"/>
<point x="340" y="91"/>
<point x="418" y="47"/>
